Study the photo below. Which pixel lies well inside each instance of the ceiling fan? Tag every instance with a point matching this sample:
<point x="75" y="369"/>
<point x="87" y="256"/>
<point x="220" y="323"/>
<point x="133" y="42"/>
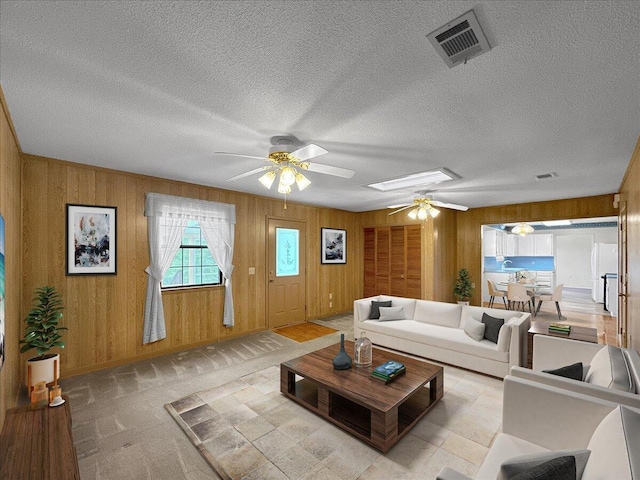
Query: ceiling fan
<point x="287" y="158"/>
<point x="423" y="206"/>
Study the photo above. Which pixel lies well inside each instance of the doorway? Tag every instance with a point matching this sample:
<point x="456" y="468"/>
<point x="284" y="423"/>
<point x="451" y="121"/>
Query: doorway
<point x="286" y="272"/>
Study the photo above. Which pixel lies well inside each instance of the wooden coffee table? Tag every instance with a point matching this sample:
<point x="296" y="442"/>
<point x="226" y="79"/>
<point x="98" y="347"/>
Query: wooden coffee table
<point x="377" y="414"/>
<point x="540" y="327"/>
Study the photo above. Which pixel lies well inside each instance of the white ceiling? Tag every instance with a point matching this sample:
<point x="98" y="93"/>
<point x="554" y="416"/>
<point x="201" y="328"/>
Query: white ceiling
<point x="157" y="87"/>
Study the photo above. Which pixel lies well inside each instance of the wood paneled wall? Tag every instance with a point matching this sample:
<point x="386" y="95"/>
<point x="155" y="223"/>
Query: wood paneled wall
<point x="105" y="313"/>
<point x="469" y="236"/>
<point x="10" y="195"/>
<point x="630" y="194"/>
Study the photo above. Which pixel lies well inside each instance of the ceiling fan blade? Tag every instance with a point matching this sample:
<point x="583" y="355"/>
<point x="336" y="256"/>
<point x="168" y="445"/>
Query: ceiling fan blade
<point x="309" y="151"/>
<point x="401" y="209"/>
<point x="238" y="155"/>
<point x="329" y="170"/>
<point x="449" y="205"/>
<point x="400" y="205"/>
<point x="250" y="172"/>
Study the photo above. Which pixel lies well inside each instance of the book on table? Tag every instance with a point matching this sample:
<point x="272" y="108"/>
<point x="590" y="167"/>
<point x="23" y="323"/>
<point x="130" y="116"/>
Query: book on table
<point x="559" y="328"/>
<point x="388" y="371"/>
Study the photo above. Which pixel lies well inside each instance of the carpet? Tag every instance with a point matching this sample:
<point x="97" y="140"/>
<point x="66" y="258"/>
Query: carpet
<point x="246" y="429"/>
<point x="303" y="332"/>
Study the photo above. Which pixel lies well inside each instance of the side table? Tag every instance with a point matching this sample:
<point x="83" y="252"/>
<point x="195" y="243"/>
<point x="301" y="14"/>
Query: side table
<point x="540" y="327"/>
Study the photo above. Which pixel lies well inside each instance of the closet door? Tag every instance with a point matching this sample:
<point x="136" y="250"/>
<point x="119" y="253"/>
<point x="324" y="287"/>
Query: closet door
<point x="398" y="286"/>
<point x="369" y="262"/>
<point x="393" y="261"/>
<point x="383" y="260"/>
<point x="413" y="250"/>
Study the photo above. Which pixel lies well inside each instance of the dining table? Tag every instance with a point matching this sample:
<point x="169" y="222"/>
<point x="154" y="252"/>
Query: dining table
<point x="532" y="287"/>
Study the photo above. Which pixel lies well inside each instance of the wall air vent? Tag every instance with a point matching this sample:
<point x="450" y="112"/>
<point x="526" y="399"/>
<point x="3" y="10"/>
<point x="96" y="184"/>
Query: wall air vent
<point x="547" y="176"/>
<point x="460" y="40"/>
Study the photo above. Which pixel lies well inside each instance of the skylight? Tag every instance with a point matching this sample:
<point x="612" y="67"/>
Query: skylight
<point x="421" y="179"/>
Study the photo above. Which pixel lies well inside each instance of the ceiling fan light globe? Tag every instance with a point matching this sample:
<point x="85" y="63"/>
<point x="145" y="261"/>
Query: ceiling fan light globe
<point x="267" y="179"/>
<point x="422" y="213"/>
<point x="288" y="175"/>
<point x="302" y="181"/>
<point x="413" y="214"/>
<point x="434" y="212"/>
<point x="284" y="189"/>
<point x="522" y="229"/>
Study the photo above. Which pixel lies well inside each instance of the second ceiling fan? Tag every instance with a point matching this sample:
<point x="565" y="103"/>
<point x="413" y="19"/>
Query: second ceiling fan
<point x="423" y="207"/>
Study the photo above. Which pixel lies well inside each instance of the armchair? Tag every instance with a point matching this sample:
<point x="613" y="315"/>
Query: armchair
<point x="613" y="376"/>
<point x="544" y="421"/>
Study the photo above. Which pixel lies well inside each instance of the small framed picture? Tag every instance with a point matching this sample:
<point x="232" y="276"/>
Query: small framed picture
<point x="91" y="240"/>
<point x="334" y="245"/>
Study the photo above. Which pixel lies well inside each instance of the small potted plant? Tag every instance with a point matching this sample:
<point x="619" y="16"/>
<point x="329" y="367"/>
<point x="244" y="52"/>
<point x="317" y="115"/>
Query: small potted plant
<point x="42" y="334"/>
<point x="463" y="289"/>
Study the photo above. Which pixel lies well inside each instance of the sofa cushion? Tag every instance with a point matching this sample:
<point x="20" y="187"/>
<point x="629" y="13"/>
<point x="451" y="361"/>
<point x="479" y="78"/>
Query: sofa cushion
<point x="561" y="468"/>
<point x="515" y="465"/>
<point x="573" y="371"/>
<point x="391" y="313"/>
<point x="475" y="313"/>
<point x="374" y="314"/>
<point x="453" y="339"/>
<point x="438" y="313"/>
<point x="474" y="329"/>
<point x="492" y="327"/>
<point x="609" y="369"/>
<point x="409" y="304"/>
<point x="615" y="447"/>
<point x="503" y="448"/>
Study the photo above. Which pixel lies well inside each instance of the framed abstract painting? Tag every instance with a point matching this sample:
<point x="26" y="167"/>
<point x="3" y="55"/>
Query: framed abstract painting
<point x="91" y="240"/>
<point x="334" y="245"/>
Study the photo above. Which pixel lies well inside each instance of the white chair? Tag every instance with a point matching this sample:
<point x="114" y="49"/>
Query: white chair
<point x="517" y="294"/>
<point x="554" y="297"/>
<point x="494" y="292"/>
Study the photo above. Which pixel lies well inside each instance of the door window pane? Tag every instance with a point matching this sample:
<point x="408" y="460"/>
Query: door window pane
<point x="287" y="252"/>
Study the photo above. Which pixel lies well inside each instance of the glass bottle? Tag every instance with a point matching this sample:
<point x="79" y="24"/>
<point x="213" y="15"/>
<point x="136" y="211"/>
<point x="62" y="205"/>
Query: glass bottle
<point x="362" y="351"/>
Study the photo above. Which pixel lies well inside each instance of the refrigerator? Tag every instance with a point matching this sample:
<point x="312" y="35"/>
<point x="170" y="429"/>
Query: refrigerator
<point x="604" y="259"/>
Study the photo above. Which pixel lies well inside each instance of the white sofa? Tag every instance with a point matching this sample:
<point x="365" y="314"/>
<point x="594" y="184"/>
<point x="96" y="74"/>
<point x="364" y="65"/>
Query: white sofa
<point x="542" y="420"/>
<point x="435" y="330"/>
<point x="615" y="378"/>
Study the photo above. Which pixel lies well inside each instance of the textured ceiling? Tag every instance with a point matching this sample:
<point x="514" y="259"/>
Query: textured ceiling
<point x="158" y="87"/>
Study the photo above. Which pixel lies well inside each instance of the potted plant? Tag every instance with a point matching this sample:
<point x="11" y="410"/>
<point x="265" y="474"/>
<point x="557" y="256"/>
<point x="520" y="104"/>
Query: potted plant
<point x="42" y="334"/>
<point x="463" y="289"/>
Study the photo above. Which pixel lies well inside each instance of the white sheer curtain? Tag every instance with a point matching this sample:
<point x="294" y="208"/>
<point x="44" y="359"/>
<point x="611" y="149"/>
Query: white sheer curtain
<point x="167" y="217"/>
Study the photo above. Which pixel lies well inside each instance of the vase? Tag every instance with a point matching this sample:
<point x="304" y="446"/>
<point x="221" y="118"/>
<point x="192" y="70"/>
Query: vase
<point x="342" y="361"/>
<point x="362" y="351"/>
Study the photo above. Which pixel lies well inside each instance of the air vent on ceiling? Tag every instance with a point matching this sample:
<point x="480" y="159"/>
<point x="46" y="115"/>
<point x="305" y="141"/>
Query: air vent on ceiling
<point x="547" y="176"/>
<point x="460" y="40"/>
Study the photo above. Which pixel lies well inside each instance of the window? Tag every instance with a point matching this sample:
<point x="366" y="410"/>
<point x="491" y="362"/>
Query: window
<point x="193" y="264"/>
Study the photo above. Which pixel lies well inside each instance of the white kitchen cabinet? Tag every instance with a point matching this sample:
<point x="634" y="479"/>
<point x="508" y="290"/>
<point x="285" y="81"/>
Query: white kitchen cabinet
<point x="526" y="246"/>
<point x="510" y="245"/>
<point x="493" y="243"/>
<point x="543" y="245"/>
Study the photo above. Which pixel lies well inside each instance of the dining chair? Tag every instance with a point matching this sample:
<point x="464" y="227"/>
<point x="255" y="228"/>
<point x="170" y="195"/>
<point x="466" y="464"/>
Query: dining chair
<point x="555" y="297"/>
<point x="517" y="294"/>
<point x="494" y="292"/>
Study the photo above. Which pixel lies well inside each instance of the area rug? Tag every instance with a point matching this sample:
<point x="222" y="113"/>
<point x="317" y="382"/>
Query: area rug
<point x="246" y="429"/>
<point x="303" y="332"/>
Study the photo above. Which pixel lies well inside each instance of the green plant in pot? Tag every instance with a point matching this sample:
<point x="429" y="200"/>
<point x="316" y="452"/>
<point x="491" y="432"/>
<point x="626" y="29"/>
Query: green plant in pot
<point x="42" y="334"/>
<point x="463" y="289"/>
